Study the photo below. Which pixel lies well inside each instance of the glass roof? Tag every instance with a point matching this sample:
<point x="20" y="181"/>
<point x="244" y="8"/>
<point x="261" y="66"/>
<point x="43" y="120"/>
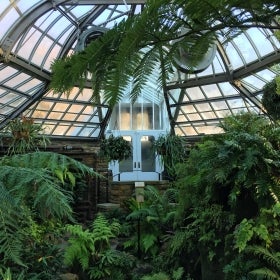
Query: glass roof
<point x="36" y="32"/>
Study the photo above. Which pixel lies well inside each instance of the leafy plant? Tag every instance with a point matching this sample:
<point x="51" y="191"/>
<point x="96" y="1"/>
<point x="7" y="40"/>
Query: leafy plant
<point x="227" y="179"/>
<point x="271" y="261"/>
<point x="32" y="195"/>
<point x="173" y="150"/>
<point x="271" y="99"/>
<point x="149" y="41"/>
<point x="155" y="215"/>
<point x="176" y="275"/>
<point x="91" y="248"/>
<point x="25" y="136"/>
<point x="115" y="148"/>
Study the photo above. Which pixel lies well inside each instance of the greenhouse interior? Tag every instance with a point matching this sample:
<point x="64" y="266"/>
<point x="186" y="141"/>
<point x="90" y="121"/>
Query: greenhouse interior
<point x="139" y="140"/>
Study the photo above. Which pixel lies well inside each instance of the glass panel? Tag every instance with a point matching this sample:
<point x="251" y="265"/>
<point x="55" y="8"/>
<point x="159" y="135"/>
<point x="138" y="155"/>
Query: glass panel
<point x="25" y="5"/>
<point x="233" y="56"/>
<point x="148" y="158"/>
<point x="124" y="118"/>
<point x="127" y="164"/>
<point x="7" y="21"/>
<point x="136" y="117"/>
<point x="29" y="42"/>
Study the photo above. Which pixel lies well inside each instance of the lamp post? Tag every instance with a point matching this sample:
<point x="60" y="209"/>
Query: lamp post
<point x="139" y="194"/>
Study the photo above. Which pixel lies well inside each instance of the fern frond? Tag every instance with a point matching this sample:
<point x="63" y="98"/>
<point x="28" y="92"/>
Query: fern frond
<point x="10" y="239"/>
<point x="102" y="231"/>
<point x="178" y="242"/>
<point x="272" y="259"/>
<point x="263" y="273"/>
<point x="81" y="246"/>
<point x="47" y="160"/>
<point x="148" y="241"/>
<point x="38" y="188"/>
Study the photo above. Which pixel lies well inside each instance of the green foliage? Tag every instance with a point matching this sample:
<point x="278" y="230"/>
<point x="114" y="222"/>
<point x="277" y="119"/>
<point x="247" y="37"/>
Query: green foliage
<point x="115" y="148"/>
<point x="173" y="150"/>
<point x="270" y="259"/>
<point x="24" y="136"/>
<point x="129" y="52"/>
<point x="91" y="248"/>
<point x="33" y="201"/>
<point x="229" y="195"/>
<point x="8" y="275"/>
<point x="176" y="275"/>
<point x="155" y="215"/>
<point x="271" y="99"/>
<point x="157" y="276"/>
<point x="246" y="230"/>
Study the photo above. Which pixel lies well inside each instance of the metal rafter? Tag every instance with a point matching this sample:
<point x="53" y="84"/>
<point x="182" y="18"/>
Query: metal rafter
<point x="236" y="74"/>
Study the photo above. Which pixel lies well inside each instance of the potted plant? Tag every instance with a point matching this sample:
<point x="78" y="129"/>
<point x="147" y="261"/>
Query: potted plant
<point x="25" y="135"/>
<point x="172" y="149"/>
<point x="115" y="148"/>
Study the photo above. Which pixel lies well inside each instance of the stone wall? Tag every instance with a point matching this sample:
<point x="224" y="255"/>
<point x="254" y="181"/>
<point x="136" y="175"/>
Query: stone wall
<point x="120" y="192"/>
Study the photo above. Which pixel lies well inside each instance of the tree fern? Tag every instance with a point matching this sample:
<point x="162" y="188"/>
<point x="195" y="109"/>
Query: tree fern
<point x="114" y="59"/>
<point x="60" y="165"/>
<point x="38" y="189"/>
<point x="32" y="189"/>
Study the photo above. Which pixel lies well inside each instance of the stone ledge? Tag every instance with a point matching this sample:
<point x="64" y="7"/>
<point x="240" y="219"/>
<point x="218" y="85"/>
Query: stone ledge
<point x="107" y="206"/>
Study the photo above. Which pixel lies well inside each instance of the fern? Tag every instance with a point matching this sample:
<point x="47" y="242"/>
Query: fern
<point x="30" y="189"/>
<point x="87" y="246"/>
<point x="156" y="276"/>
<point x="56" y="163"/>
<point x="270" y="260"/>
<point x="39" y="189"/>
<point x="118" y="57"/>
<point x="10" y="237"/>
<point x="263" y="273"/>
<point x="102" y="232"/>
<point x="81" y="246"/>
<point x="10" y="240"/>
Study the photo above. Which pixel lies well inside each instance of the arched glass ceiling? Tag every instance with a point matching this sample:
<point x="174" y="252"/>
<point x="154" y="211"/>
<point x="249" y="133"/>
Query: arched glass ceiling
<point x="33" y="33"/>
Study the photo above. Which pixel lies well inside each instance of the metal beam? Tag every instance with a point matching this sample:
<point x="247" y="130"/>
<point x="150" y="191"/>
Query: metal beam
<point x="208" y="100"/>
<point x="22" y="65"/>
<point x="105" y="2"/>
<point x="23" y="107"/>
<point x="246" y="93"/>
<point x="220" y="78"/>
<point x="19" y="27"/>
<point x="258" y="65"/>
<point x="236" y="74"/>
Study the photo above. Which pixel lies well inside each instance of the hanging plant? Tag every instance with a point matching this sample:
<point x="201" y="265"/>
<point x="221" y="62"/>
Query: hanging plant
<point x="173" y="150"/>
<point x="25" y="135"/>
<point x="115" y="148"/>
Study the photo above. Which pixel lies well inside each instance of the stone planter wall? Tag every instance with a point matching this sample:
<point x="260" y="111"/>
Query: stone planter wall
<point x="120" y="192"/>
